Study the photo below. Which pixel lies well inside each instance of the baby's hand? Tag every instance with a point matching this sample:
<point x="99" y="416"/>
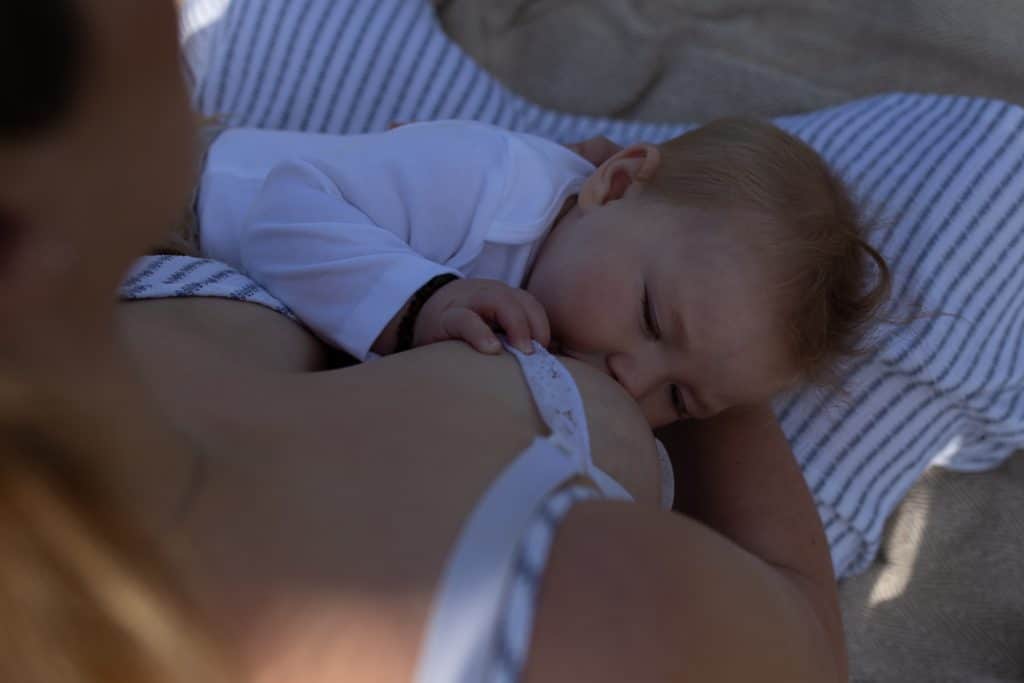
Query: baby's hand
<point x="469" y="309"/>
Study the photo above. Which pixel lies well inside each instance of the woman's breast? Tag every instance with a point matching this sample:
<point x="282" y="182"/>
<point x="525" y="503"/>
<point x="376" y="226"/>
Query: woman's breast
<point x="331" y="500"/>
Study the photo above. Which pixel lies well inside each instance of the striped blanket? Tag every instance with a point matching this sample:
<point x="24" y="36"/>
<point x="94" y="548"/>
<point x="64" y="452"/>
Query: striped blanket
<point x="942" y="175"/>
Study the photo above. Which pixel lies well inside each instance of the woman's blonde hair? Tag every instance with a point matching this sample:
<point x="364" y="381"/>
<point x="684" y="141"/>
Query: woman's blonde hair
<point x="83" y="597"/>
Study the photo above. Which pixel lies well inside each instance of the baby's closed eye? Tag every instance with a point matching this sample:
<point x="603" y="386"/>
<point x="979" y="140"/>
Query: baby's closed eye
<point x="678" y="402"/>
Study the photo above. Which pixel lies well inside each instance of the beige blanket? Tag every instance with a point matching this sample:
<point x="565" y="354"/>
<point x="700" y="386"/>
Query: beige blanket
<point x="945" y="600"/>
<point x="691" y="60"/>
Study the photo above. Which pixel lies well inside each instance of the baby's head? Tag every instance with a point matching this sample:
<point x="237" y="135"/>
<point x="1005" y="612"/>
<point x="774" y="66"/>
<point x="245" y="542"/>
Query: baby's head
<point x="712" y="271"/>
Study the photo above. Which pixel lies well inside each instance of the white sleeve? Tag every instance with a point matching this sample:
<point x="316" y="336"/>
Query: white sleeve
<point x="341" y="274"/>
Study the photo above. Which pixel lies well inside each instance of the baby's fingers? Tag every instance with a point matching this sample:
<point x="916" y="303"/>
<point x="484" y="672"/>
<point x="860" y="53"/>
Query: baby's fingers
<point x="465" y="324"/>
<point x="511" y="315"/>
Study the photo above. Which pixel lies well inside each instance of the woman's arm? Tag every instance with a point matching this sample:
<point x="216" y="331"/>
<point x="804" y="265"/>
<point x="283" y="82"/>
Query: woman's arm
<point x="736" y="473"/>
<point x="632" y="594"/>
<point x="740" y="591"/>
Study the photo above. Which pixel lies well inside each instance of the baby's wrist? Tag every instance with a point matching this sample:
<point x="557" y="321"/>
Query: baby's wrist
<point x="407" y="327"/>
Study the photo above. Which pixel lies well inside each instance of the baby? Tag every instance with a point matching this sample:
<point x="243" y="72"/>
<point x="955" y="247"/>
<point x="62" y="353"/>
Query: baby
<point x="711" y="271"/>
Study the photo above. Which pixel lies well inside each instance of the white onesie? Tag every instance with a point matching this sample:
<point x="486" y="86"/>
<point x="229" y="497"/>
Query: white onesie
<point x="345" y="229"/>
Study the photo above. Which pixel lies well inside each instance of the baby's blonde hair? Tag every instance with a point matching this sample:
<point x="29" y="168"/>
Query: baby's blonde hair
<point x="836" y="281"/>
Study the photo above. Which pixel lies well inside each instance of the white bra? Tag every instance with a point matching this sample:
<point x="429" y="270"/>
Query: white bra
<point x="471" y="595"/>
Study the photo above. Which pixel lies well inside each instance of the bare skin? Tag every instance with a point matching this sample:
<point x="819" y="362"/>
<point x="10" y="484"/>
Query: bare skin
<point x="310" y="512"/>
<point x="290" y="458"/>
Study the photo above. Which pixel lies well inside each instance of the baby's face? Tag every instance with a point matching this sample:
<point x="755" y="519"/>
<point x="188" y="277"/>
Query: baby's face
<point x="669" y="301"/>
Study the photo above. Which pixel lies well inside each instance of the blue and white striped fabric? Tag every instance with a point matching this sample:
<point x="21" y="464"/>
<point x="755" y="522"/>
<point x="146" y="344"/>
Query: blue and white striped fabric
<point x="354" y="66"/>
<point x="943" y="174"/>
<point x="169" y="277"/>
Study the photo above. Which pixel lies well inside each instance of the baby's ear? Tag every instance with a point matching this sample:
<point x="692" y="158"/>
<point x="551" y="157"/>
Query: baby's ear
<point x="634" y="164"/>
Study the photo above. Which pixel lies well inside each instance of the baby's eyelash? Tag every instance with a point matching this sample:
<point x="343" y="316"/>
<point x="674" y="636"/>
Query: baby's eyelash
<point x="677" y="401"/>
<point x="648" y="317"/>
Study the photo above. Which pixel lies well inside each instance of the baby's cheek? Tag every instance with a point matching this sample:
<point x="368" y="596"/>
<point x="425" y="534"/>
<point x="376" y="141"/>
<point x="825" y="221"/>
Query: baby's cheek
<point x="750" y="397"/>
<point x="594" y="300"/>
<point x="583" y="312"/>
<point x="561" y="325"/>
<point x="566" y="313"/>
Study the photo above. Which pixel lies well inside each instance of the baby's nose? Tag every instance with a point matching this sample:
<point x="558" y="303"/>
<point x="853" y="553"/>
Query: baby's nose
<point x="624" y="371"/>
<point x="639" y="374"/>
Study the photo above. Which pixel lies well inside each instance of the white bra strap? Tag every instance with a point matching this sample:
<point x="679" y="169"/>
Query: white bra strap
<point x="460" y="630"/>
<point x="561" y="406"/>
<point x="556" y="396"/>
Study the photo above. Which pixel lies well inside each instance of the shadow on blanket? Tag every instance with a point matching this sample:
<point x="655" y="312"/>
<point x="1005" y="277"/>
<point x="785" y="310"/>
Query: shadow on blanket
<point x="944" y="599"/>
